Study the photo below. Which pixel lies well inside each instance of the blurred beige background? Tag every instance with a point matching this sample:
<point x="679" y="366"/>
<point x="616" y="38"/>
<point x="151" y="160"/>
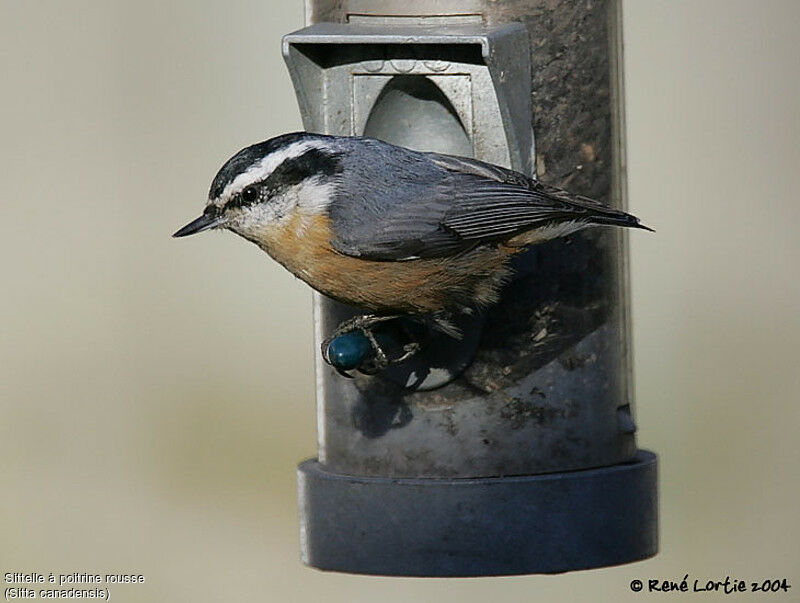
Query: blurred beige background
<point x="157" y="394"/>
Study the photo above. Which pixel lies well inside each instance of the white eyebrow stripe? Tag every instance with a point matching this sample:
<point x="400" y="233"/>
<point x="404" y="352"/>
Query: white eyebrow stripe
<point x="261" y="170"/>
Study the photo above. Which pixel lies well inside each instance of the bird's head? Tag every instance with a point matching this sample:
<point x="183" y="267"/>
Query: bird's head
<point x="265" y="184"/>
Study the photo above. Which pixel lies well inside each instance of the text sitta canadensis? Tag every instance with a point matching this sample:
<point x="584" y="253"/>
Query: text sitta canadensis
<point x="387" y="229"/>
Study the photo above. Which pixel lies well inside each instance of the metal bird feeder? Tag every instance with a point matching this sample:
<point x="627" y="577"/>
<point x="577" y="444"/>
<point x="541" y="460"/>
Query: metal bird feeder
<point x="512" y="451"/>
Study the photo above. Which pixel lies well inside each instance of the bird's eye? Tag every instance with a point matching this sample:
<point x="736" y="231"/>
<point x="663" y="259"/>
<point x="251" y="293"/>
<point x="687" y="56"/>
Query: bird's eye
<point x="250" y="194"/>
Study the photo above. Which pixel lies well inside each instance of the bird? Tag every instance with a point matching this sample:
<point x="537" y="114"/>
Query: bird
<point x="393" y="231"/>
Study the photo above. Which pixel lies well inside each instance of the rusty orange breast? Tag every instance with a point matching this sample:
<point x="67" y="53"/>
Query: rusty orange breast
<point x="302" y="245"/>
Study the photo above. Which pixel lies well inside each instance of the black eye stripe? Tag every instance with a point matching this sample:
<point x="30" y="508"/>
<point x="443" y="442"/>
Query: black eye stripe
<point x="312" y="162"/>
<point x="293" y="171"/>
<point x="247" y="157"/>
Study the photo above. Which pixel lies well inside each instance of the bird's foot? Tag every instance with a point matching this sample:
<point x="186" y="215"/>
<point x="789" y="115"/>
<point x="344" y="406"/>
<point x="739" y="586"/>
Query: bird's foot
<point x="357" y="345"/>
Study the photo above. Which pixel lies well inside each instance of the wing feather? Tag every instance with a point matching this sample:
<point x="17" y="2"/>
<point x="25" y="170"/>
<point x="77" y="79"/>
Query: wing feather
<point x="433" y="205"/>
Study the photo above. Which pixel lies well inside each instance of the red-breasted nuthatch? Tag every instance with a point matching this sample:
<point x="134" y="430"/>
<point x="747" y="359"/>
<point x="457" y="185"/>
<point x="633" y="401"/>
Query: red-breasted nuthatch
<point x="388" y="229"/>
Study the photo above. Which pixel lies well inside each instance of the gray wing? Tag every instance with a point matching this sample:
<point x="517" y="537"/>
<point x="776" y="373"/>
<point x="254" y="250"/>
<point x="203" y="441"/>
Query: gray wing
<point x="391" y="203"/>
<point x="433" y="205"/>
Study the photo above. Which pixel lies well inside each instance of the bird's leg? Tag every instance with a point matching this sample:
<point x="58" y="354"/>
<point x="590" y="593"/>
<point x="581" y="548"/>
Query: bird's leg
<point x="365" y="324"/>
<point x="381" y="361"/>
<point x="362" y="323"/>
<point x="411" y="348"/>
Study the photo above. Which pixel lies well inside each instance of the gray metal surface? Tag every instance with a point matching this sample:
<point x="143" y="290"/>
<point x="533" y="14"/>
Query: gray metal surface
<point x="474" y="527"/>
<point x="339" y="71"/>
<point x="336" y="10"/>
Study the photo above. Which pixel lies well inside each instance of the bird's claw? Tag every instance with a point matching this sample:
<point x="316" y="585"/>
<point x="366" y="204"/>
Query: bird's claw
<point x="365" y="355"/>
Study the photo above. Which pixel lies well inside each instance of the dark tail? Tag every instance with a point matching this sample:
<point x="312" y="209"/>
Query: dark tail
<point x="593" y="211"/>
<point x="617" y="218"/>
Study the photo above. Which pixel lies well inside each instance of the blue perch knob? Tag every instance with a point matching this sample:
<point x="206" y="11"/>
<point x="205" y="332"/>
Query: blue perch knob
<point x="349" y="351"/>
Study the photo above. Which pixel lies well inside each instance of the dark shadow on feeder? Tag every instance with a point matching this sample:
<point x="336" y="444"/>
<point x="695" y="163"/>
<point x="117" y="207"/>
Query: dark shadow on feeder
<point x="442" y="358"/>
<point x="559" y="296"/>
<point x="376" y="419"/>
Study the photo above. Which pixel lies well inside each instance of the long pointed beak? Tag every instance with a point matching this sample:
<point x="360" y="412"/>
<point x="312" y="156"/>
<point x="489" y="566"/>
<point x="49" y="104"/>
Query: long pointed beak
<point x="204" y="222"/>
